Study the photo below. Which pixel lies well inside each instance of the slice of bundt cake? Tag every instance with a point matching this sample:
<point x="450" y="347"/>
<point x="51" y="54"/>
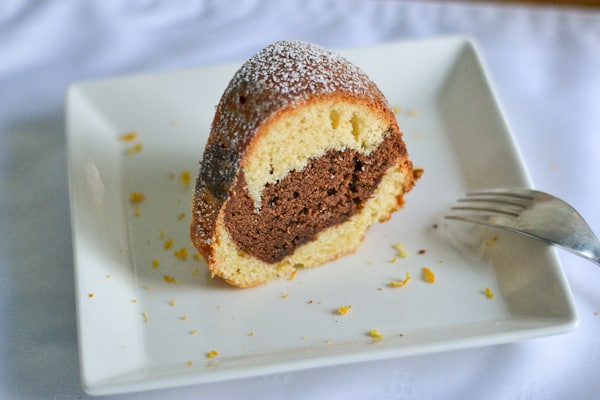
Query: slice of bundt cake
<point x="304" y="154"/>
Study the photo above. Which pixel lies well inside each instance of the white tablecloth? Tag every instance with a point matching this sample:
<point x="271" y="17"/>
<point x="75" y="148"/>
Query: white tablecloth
<point x="544" y="62"/>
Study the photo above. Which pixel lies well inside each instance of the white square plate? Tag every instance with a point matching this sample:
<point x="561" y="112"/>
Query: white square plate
<point x="137" y="331"/>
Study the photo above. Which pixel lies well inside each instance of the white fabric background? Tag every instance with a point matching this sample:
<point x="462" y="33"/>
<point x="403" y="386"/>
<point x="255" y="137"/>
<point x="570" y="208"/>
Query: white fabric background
<point x="544" y="62"/>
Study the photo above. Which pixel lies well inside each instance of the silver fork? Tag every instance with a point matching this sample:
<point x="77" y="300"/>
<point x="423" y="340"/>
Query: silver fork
<point x="531" y="213"/>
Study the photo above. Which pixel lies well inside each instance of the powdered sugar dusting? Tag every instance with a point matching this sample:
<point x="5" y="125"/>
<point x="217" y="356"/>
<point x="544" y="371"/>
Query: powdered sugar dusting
<point x="298" y="70"/>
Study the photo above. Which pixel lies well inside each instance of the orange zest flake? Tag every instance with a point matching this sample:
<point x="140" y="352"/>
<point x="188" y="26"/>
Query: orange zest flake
<point x="342" y="310"/>
<point x="185" y="178"/>
<point x="168" y="244"/>
<point x="212" y="354"/>
<point x="182" y="253"/>
<point x="129" y="136"/>
<point x="488" y="293"/>
<point x="402" y="282"/>
<point x="428" y="275"/>
<point x="136" y="148"/>
<point x="136" y="197"/>
<point x="170" y="279"/>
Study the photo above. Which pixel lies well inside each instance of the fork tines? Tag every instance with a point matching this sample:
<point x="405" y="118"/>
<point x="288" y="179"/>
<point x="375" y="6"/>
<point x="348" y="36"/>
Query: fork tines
<point x="505" y="203"/>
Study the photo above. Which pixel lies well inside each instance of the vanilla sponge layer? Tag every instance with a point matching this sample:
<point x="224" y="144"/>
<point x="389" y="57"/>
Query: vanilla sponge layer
<point x="291" y="138"/>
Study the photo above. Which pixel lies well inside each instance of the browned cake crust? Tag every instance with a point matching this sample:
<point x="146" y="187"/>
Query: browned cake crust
<point x="271" y="209"/>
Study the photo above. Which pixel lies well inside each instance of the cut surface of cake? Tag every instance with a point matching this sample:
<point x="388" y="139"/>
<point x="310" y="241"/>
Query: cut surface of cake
<point x="304" y="155"/>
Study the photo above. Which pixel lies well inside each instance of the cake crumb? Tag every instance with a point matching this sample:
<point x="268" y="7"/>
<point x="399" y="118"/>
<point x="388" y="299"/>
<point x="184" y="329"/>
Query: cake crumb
<point x="168" y="244"/>
<point x="182" y="253"/>
<point x="155" y="263"/>
<point x="194" y="331"/>
<point x="488" y="293"/>
<point x="149" y="287"/>
<point x="293" y="275"/>
<point x="184" y="318"/>
<point x="285" y="296"/>
<point x="170" y="279"/>
<point x="250" y="333"/>
<point x="136" y="148"/>
<point x="190" y="363"/>
<point x="421" y="252"/>
<point x="185" y="178"/>
<point x="133" y="301"/>
<point x="136" y="197"/>
<point x="428" y="275"/>
<point x="212" y="354"/>
<point x="400" y="283"/>
<point x="343" y="310"/>
<point x="491" y="241"/>
<point x="195" y="272"/>
<point x="172" y="302"/>
<point x="400" y="250"/>
<point x="146" y="317"/>
<point x="181" y="216"/>
<point x="129" y="136"/>
<point x="375" y="334"/>
<point x="393" y="260"/>
<point x="90" y="295"/>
